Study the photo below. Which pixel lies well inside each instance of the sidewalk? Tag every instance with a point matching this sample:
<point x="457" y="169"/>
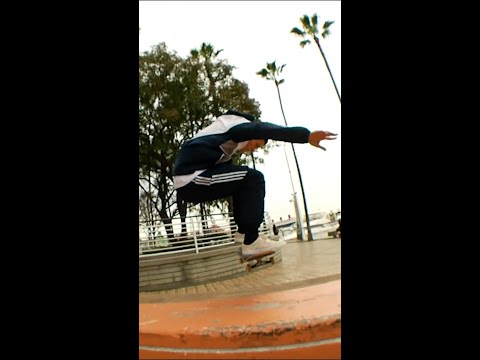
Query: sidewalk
<point x="303" y="264"/>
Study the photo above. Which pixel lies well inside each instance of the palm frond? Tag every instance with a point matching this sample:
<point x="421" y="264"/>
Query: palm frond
<point x="305" y="20"/>
<point x="263" y="73"/>
<point x="326" y="28"/>
<point x="272" y="67"/>
<point x="206" y="50"/>
<point x="281" y="82"/>
<point x="304" y="42"/>
<point x="327" y="24"/>
<point x="298" y="32"/>
<point x="314" y="19"/>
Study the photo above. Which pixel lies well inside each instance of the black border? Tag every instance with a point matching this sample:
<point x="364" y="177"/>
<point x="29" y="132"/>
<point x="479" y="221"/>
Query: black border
<point x="375" y="184"/>
<point x="76" y="152"/>
<point x="395" y="177"/>
<point x="74" y="159"/>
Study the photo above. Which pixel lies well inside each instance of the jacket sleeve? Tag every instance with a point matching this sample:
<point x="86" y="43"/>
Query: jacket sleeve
<point x="264" y="130"/>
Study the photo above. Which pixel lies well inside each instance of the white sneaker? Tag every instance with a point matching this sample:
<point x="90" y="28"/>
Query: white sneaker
<point x="239" y="238"/>
<point x="260" y="245"/>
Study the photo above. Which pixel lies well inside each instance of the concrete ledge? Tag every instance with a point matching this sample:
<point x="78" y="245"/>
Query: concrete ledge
<point x="165" y="272"/>
<point x="299" y="323"/>
<point x="163" y="259"/>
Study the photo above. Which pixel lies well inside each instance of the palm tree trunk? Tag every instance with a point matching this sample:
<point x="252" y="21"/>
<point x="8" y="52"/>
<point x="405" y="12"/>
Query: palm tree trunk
<point x="328" y="67"/>
<point x="294" y="193"/>
<point x="309" y="229"/>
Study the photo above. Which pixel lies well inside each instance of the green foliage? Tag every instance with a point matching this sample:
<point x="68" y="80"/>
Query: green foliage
<point x="327" y="24"/>
<point x="271" y="72"/>
<point x="263" y="73"/>
<point x="310" y="28"/>
<point x="298" y="32"/>
<point x="312" y="31"/>
<point x="177" y="97"/>
<point x="305" y="20"/>
<point x="272" y="67"/>
<point x="326" y="28"/>
<point x="304" y="42"/>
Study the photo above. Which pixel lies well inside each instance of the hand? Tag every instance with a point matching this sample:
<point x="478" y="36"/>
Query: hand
<point x="316" y="136"/>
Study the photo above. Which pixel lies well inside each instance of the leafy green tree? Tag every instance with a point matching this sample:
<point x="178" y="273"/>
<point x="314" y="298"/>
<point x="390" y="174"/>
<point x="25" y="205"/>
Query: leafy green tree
<point x="178" y="97"/>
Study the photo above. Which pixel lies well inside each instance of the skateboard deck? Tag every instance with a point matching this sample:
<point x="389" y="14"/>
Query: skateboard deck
<point x="258" y="259"/>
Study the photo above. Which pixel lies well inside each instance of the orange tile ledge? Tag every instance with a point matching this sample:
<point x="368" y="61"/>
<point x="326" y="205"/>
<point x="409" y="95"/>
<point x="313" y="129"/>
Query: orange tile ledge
<point x="299" y="323"/>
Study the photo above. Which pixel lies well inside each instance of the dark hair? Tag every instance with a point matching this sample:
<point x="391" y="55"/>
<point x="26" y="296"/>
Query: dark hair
<point x="249" y="117"/>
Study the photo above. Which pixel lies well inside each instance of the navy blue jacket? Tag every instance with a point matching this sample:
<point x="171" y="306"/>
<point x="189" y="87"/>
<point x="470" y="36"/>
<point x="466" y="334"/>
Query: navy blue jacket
<point x="216" y="143"/>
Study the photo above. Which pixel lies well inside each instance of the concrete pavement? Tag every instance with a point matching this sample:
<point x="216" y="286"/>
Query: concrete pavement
<point x="303" y="264"/>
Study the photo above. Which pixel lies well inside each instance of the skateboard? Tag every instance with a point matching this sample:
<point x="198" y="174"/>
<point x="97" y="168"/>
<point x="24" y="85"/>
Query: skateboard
<point x="333" y="233"/>
<point x="258" y="259"/>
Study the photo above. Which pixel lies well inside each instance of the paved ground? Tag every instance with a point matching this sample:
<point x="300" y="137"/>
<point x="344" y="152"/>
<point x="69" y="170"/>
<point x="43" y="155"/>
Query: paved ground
<point x="303" y="263"/>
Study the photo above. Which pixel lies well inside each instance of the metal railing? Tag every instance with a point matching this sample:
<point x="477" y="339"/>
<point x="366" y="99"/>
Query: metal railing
<point x="196" y="235"/>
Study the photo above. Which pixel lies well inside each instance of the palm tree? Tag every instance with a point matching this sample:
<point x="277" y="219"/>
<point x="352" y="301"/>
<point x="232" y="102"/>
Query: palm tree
<point x="271" y="73"/>
<point x="208" y="53"/>
<point x="311" y="29"/>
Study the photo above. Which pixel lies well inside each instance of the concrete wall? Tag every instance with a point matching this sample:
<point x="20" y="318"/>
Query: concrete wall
<point x="165" y="272"/>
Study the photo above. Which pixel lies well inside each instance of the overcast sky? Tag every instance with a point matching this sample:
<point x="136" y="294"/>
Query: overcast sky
<point x="252" y="33"/>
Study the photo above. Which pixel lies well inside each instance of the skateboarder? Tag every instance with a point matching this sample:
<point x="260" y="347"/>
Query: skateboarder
<point x="204" y="171"/>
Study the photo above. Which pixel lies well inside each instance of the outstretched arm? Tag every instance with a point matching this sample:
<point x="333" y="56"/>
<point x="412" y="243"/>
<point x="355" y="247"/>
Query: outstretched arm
<point x="297" y="134"/>
<point x="264" y="130"/>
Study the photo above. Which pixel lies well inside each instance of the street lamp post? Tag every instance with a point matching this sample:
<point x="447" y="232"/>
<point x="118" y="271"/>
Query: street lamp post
<point x="298" y="218"/>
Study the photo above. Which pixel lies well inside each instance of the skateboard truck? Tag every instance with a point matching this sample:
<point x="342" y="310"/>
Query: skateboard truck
<point x="258" y="259"/>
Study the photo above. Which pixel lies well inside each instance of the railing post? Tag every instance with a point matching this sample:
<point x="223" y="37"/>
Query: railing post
<point x="232" y="225"/>
<point x="194" y="235"/>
